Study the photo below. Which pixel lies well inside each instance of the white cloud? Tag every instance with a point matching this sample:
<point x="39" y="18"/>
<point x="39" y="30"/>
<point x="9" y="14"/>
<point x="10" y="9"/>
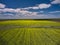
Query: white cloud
<point x="43" y="6"/>
<point x="55" y="12"/>
<point x="2" y="5"/>
<point x="35" y="7"/>
<point x="25" y="12"/>
<point x="39" y="6"/>
<point x="18" y="11"/>
<point x="55" y="2"/>
<point x="7" y="10"/>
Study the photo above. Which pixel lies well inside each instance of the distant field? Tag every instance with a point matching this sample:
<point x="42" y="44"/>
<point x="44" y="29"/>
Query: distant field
<point x="29" y="32"/>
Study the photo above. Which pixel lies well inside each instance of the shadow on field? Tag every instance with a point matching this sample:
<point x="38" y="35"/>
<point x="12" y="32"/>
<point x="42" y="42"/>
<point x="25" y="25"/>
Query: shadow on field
<point x="2" y="41"/>
<point x="58" y="43"/>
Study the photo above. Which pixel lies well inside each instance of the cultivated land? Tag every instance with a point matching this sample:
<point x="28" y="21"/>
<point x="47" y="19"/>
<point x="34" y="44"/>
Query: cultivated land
<point x="29" y="32"/>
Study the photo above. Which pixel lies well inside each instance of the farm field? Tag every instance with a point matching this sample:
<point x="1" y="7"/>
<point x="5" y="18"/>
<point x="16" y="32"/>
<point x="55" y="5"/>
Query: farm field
<point x="29" y="32"/>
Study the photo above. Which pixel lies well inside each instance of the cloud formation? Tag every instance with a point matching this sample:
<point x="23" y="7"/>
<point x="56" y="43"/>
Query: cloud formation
<point x="39" y="6"/>
<point x="55" y="2"/>
<point x="18" y="11"/>
<point x="2" y="5"/>
<point x="24" y="12"/>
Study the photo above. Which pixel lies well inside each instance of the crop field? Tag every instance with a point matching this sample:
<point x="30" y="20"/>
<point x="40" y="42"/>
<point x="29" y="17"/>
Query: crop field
<point x="29" y="32"/>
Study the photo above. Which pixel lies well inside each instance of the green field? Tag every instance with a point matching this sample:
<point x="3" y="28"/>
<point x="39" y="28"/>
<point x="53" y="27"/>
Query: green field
<point x="29" y="32"/>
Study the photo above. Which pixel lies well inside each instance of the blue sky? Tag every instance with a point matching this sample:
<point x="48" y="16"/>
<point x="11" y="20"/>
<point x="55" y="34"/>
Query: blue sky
<point x="22" y="9"/>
